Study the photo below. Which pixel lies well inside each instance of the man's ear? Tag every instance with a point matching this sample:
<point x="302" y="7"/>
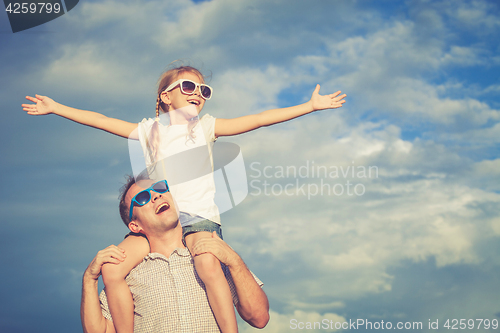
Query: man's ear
<point x="134" y="227"/>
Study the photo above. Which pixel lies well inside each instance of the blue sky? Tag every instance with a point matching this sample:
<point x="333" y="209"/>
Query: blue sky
<point x="418" y="241"/>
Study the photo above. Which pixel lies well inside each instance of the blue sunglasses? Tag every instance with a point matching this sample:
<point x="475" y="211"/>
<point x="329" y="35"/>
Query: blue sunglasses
<point x="144" y="197"/>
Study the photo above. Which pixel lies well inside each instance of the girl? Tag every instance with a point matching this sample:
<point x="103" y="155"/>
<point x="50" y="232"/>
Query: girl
<point x="182" y="94"/>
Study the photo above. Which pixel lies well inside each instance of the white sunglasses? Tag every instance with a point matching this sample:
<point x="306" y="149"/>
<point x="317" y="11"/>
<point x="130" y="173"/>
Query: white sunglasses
<point x="188" y="87"/>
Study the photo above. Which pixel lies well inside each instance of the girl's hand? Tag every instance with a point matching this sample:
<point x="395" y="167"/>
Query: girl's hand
<point x="110" y="255"/>
<point x="332" y="101"/>
<point x="43" y="105"/>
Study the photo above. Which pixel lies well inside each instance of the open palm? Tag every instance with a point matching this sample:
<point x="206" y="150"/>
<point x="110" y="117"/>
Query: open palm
<point x="43" y="105"/>
<point x="322" y="102"/>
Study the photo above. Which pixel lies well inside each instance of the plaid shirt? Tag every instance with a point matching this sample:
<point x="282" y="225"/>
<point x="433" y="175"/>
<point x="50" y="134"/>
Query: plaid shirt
<point x="169" y="296"/>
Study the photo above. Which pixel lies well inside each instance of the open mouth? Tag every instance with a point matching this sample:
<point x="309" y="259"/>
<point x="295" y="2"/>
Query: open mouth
<point x="194" y="102"/>
<point x="162" y="208"/>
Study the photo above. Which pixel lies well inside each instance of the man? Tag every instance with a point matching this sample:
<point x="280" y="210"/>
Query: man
<point x="168" y="295"/>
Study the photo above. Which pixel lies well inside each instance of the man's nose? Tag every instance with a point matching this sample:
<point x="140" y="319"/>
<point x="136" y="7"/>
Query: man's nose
<point x="155" y="196"/>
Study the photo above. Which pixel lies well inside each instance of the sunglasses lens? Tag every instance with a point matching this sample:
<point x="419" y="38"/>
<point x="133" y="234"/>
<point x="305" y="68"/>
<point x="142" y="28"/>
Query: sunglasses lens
<point x="206" y="92"/>
<point x="160" y="187"/>
<point x="188" y="87"/>
<point x="143" y="198"/>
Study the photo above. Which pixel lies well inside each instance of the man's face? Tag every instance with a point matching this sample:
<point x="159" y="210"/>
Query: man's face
<point x="159" y="214"/>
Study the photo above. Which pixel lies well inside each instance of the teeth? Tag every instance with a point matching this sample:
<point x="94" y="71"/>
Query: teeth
<point x="160" y="207"/>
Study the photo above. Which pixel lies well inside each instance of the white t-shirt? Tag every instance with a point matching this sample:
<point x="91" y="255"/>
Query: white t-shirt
<point x="185" y="161"/>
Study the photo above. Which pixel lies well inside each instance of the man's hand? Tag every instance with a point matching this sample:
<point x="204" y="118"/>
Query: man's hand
<point x="253" y="305"/>
<point x="322" y="102"/>
<point x="110" y="255"/>
<point x="90" y="309"/>
<point x="219" y="249"/>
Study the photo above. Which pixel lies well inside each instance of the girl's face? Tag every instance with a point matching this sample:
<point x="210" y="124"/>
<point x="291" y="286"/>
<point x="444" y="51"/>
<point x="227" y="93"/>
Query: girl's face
<point x="179" y="101"/>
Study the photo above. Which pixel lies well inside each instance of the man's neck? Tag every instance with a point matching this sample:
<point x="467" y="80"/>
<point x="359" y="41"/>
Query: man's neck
<point x="166" y="242"/>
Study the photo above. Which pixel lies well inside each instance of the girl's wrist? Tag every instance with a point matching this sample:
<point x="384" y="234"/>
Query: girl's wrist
<point x="57" y="109"/>
<point x="309" y="106"/>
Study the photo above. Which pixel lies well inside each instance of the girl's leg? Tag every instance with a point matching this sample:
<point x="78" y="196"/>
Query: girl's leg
<point x="219" y="295"/>
<point x="121" y="304"/>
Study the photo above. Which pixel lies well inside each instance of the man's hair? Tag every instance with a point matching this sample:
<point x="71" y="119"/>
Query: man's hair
<point x="124" y="208"/>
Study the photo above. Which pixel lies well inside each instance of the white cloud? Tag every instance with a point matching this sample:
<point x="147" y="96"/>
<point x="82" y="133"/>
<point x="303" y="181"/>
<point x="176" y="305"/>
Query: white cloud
<point x="414" y="210"/>
<point x="430" y="200"/>
<point x="475" y="15"/>
<point x="247" y="91"/>
<point x="299" y="320"/>
<point x="91" y="69"/>
<point x="411" y="212"/>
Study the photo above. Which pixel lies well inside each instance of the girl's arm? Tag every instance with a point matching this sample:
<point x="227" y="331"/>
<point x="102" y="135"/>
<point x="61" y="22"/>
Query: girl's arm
<point x="120" y="300"/>
<point x="253" y="305"/>
<point x="45" y="105"/>
<point x="225" y="127"/>
<point x="90" y="311"/>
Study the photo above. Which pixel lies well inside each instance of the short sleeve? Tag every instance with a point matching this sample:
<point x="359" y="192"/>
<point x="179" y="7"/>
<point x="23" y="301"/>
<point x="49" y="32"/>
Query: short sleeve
<point x="143" y="130"/>
<point x="104" y="305"/>
<point x="208" y="125"/>
<point x="144" y="127"/>
<point x="230" y="282"/>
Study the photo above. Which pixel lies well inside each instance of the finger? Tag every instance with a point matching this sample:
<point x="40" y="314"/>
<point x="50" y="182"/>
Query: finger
<point x="33" y="99"/>
<point x="118" y="255"/>
<point x="110" y="250"/>
<point x="112" y="246"/>
<point x="335" y="94"/>
<point x="203" y="246"/>
<point x="100" y="261"/>
<point x="114" y="252"/>
<point x="113" y="261"/>
<point x="197" y="250"/>
<point x="316" y="90"/>
<point x="199" y="246"/>
<point x="200" y="253"/>
<point x="338" y="100"/>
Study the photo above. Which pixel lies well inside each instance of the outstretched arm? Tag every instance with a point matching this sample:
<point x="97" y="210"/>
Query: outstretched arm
<point x="45" y="105"/>
<point x="90" y="309"/>
<point x="224" y="127"/>
<point x="253" y="305"/>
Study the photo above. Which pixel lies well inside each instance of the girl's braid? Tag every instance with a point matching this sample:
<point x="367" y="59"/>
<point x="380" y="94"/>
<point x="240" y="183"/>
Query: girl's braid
<point x="158" y="106"/>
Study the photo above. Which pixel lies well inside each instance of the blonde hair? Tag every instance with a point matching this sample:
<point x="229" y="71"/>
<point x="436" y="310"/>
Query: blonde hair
<point x="165" y="80"/>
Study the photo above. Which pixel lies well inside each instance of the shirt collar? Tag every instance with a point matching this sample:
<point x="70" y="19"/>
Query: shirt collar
<point x="181" y="252"/>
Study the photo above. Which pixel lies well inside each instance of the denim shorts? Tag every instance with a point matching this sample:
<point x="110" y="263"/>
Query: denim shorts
<point x="205" y="225"/>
